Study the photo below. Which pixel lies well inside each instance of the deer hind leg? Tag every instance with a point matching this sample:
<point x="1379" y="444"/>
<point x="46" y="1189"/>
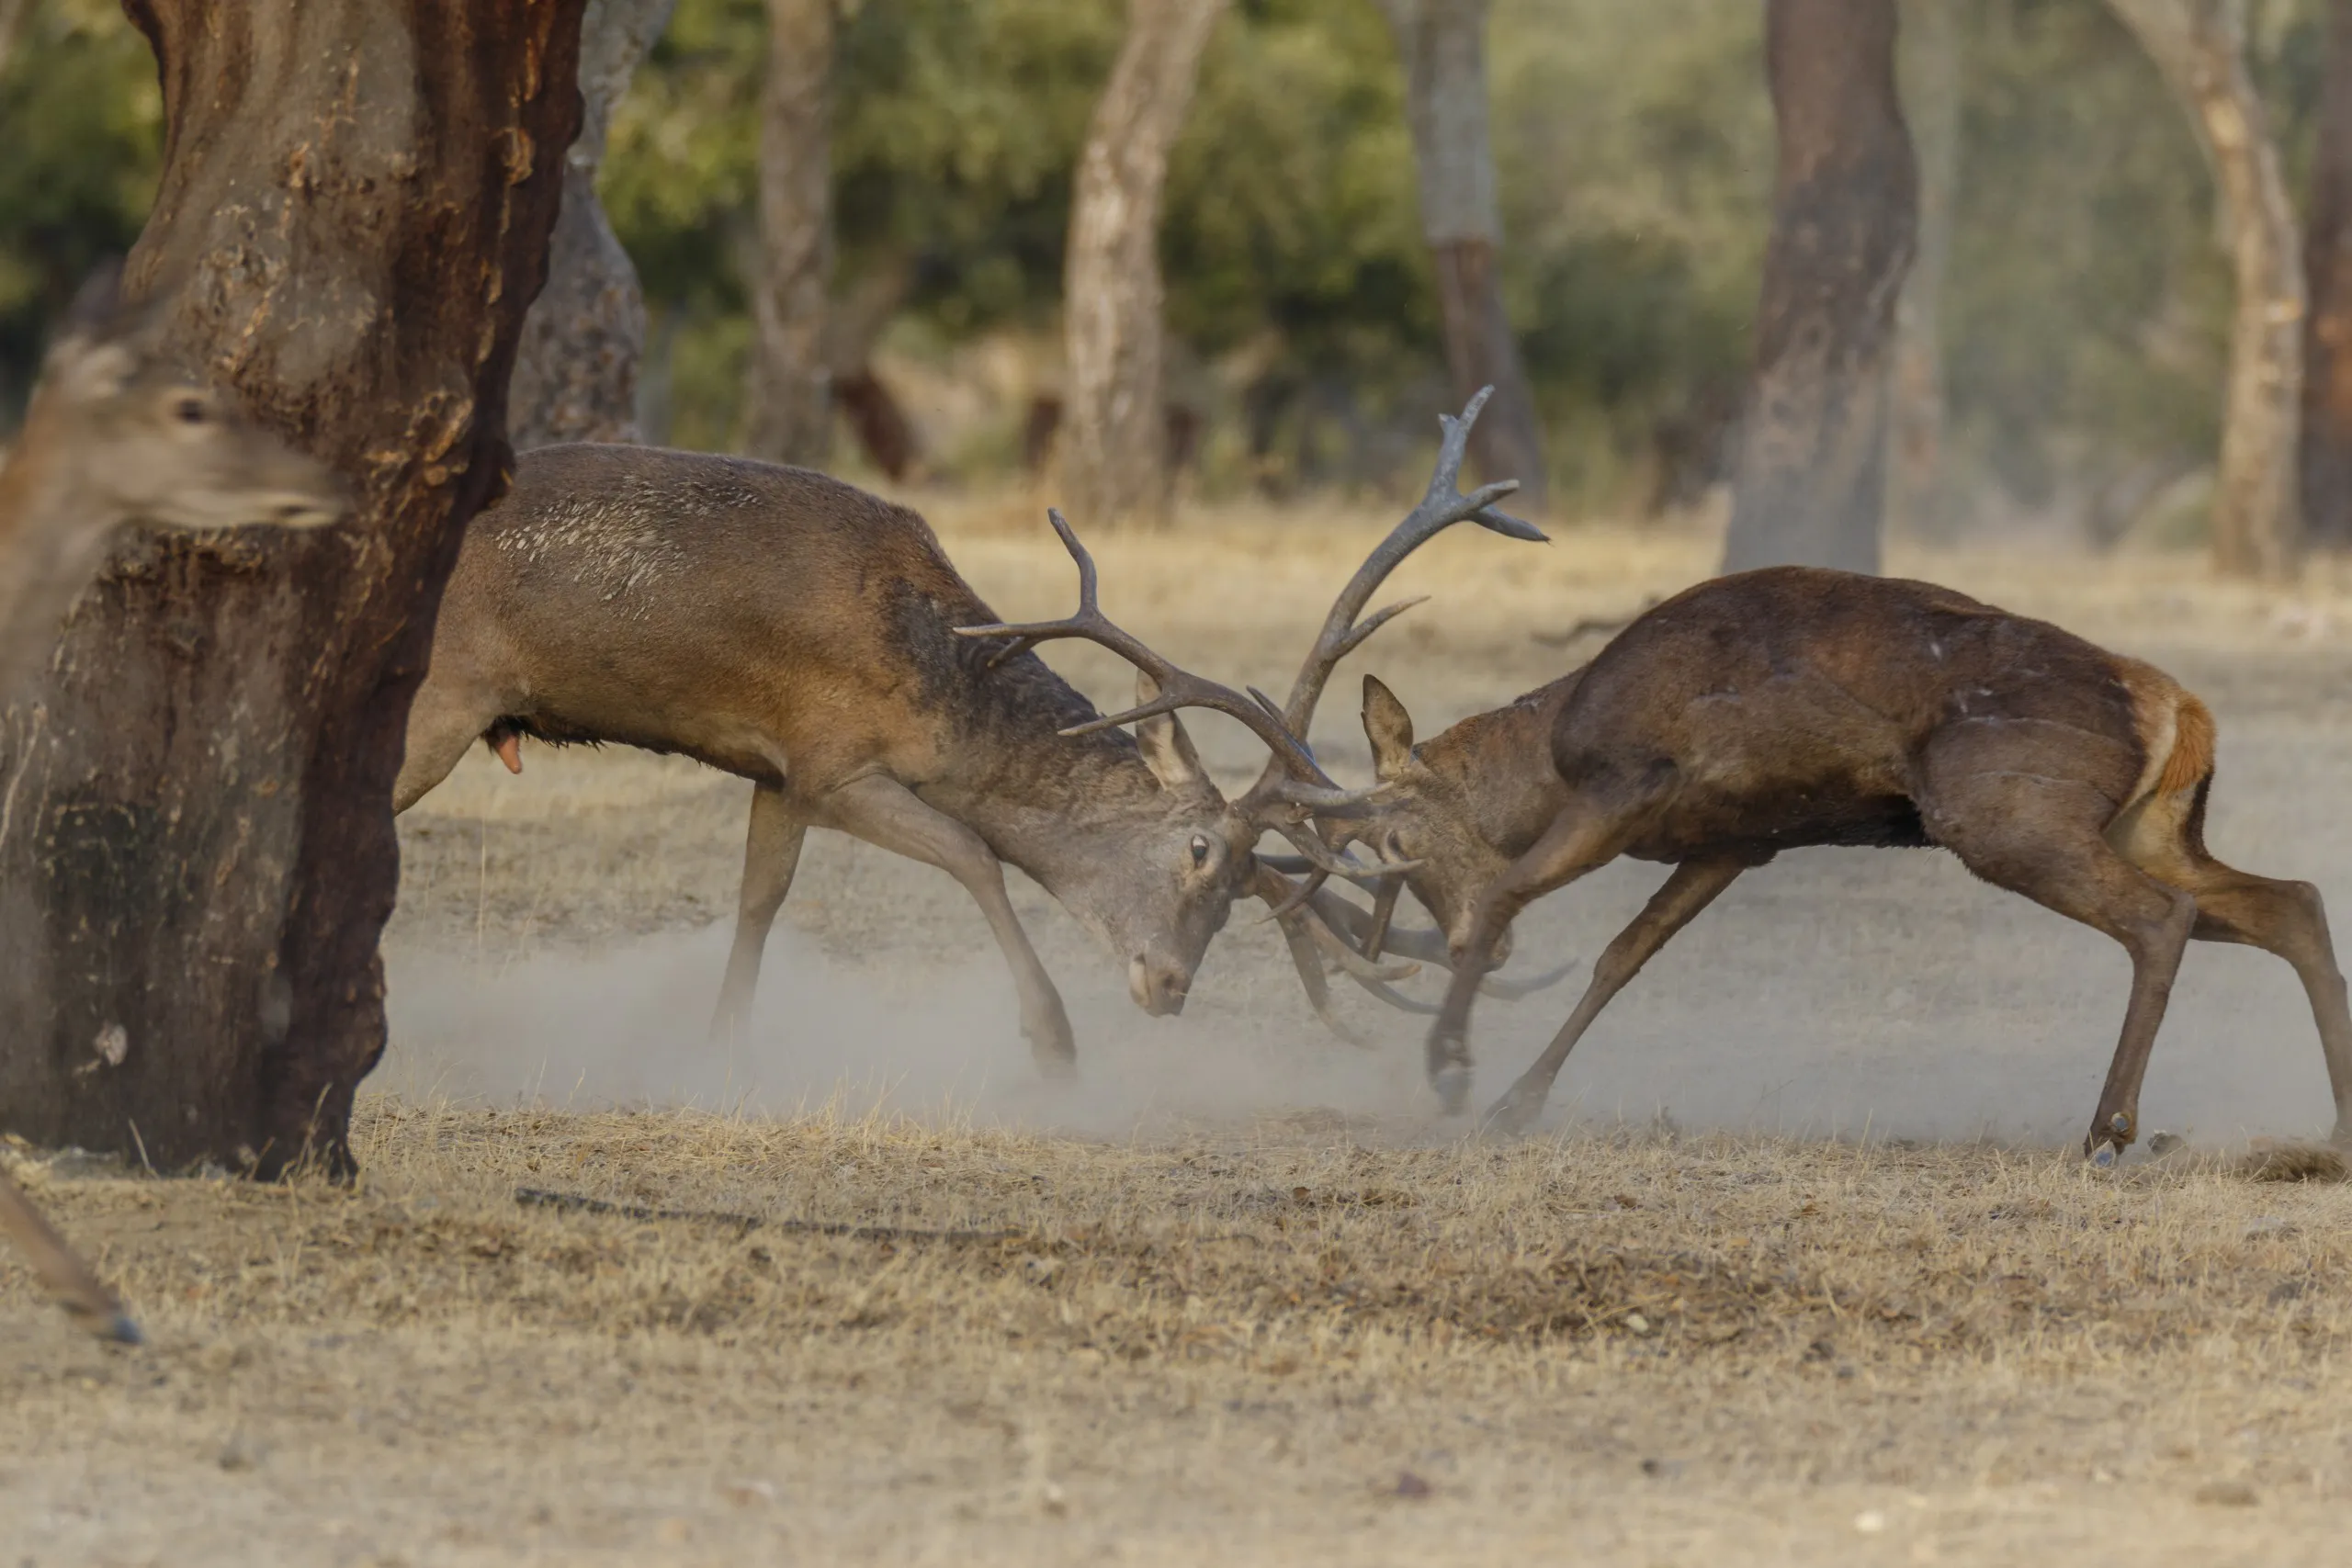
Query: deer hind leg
<point x="887" y="815"/>
<point x="2042" y="837"/>
<point x="771" y="856"/>
<point x="1693" y="886"/>
<point x="2165" y="837"/>
<point x="1583" y="838"/>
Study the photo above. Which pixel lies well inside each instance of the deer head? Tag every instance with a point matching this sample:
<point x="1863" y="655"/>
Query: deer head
<point x="134" y="437"/>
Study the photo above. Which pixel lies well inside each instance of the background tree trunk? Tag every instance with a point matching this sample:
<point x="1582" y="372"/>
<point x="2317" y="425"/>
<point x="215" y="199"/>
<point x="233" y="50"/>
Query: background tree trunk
<point x="789" y="398"/>
<point x="575" y="373"/>
<point x="2200" y="47"/>
<point x="1444" y="46"/>
<point x="1113" y="448"/>
<point x="14" y="14"/>
<point x="1810" y="485"/>
<point x="2328" y="335"/>
<point x="353" y="217"/>
<point x="1930" y="93"/>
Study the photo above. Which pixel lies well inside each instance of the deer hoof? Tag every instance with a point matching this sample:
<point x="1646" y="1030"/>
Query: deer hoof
<point x="1452" y="1085"/>
<point x="2104" y="1156"/>
<point x="1510" y="1116"/>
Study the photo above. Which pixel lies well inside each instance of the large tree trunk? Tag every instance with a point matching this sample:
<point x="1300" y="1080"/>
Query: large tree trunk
<point x="353" y="218"/>
<point x="790" y="413"/>
<point x="2200" y="45"/>
<point x="1810" y="485"/>
<point x="2328" y="335"/>
<point x="1444" y="46"/>
<point x="1916" y="417"/>
<point x="1114" y="451"/>
<point x="575" y="374"/>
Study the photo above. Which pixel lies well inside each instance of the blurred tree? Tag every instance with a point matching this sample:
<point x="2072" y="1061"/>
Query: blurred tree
<point x="790" y="391"/>
<point x="1442" y="44"/>
<point x="1114" y="459"/>
<point x="2326" y="450"/>
<point x="575" y="371"/>
<point x="1930" y="89"/>
<point x="1810" y="487"/>
<point x="353" y="218"/>
<point x="2200" y="45"/>
<point x="14" y="14"/>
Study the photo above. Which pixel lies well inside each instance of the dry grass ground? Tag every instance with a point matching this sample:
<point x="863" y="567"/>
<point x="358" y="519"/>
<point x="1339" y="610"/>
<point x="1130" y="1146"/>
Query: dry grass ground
<point x="1240" y="1295"/>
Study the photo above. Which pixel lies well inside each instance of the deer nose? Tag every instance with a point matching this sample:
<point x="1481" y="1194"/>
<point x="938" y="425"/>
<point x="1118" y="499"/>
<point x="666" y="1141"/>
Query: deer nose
<point x="1457" y="949"/>
<point x="1157" y="985"/>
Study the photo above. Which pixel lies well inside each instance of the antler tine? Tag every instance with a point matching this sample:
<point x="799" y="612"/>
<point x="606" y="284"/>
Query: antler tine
<point x="1441" y="507"/>
<point x="1179" y="688"/>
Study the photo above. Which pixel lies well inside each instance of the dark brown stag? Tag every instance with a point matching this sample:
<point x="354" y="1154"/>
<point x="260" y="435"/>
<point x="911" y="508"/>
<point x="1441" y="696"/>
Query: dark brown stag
<point x="1796" y="707"/>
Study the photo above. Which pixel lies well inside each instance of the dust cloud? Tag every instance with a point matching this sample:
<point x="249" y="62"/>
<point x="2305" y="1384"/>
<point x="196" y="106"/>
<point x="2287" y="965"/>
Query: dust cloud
<point x="1835" y="993"/>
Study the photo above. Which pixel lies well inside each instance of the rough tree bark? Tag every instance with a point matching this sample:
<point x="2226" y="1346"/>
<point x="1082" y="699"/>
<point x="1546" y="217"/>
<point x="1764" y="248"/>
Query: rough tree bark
<point x="1930" y="88"/>
<point x="2200" y="45"/>
<point x="2327" y="456"/>
<point x="353" y="217"/>
<point x="788" y="394"/>
<point x="1444" y="46"/>
<point x="1810" y="484"/>
<point x="575" y="372"/>
<point x="1113" y="450"/>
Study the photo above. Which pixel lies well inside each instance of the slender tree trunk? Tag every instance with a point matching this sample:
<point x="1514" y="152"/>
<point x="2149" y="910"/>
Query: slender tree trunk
<point x="14" y="15"/>
<point x="2327" y="333"/>
<point x="1810" y="485"/>
<point x="575" y="374"/>
<point x="1443" y="47"/>
<point x="1114" y="452"/>
<point x="867" y="406"/>
<point x="354" y="216"/>
<point x="789" y="394"/>
<point x="1915" y="419"/>
<point x="2200" y="45"/>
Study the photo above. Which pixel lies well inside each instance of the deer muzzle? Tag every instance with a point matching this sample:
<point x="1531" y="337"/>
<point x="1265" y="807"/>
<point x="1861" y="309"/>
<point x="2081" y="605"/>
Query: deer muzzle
<point x="1157" y="985"/>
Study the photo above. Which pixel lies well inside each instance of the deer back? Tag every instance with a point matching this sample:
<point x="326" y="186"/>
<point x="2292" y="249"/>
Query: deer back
<point x="747" y="615"/>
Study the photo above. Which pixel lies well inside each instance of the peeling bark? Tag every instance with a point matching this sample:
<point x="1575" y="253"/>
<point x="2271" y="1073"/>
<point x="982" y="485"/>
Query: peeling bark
<point x="196" y="815"/>
<point x="1810" y="484"/>
<point x="575" y="374"/>
<point x="1113" y="457"/>
<point x="2200" y="45"/>
<point x="789" y="391"/>
<point x="1442" y="44"/>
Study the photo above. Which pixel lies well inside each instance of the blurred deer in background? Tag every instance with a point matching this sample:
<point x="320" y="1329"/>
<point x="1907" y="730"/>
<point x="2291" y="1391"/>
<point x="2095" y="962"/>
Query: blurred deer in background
<point x="1796" y="707"/>
<point x="114" y="435"/>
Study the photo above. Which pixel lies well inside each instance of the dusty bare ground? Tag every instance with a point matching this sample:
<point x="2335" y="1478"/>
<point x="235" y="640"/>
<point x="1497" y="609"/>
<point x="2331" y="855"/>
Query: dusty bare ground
<point x="1239" y="1294"/>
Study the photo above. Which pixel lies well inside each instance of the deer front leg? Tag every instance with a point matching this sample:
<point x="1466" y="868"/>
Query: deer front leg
<point x="770" y="855"/>
<point x="887" y="815"/>
<point x="1579" y="840"/>
<point x="77" y="1290"/>
<point x="1693" y="886"/>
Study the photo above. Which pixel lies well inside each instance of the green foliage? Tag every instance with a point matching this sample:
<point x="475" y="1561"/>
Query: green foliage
<point x="81" y="119"/>
<point x="2086" y="316"/>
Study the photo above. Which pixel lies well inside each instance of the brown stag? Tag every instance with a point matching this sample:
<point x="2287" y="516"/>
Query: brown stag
<point x="116" y="434"/>
<point x="1794" y="706"/>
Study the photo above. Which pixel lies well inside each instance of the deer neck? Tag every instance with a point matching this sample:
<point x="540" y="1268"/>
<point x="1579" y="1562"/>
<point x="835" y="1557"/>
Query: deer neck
<point x="1501" y="763"/>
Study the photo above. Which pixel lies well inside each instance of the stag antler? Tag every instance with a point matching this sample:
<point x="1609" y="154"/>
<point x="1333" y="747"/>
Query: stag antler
<point x="1441" y="507"/>
<point x="1298" y="781"/>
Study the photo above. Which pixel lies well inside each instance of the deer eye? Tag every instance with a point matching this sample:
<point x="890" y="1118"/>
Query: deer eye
<point x="1200" y="850"/>
<point x="190" y="409"/>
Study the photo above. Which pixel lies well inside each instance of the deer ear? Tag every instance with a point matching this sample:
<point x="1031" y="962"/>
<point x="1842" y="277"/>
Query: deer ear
<point x="1388" y="727"/>
<point x="1167" y="750"/>
<point x="90" y="357"/>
